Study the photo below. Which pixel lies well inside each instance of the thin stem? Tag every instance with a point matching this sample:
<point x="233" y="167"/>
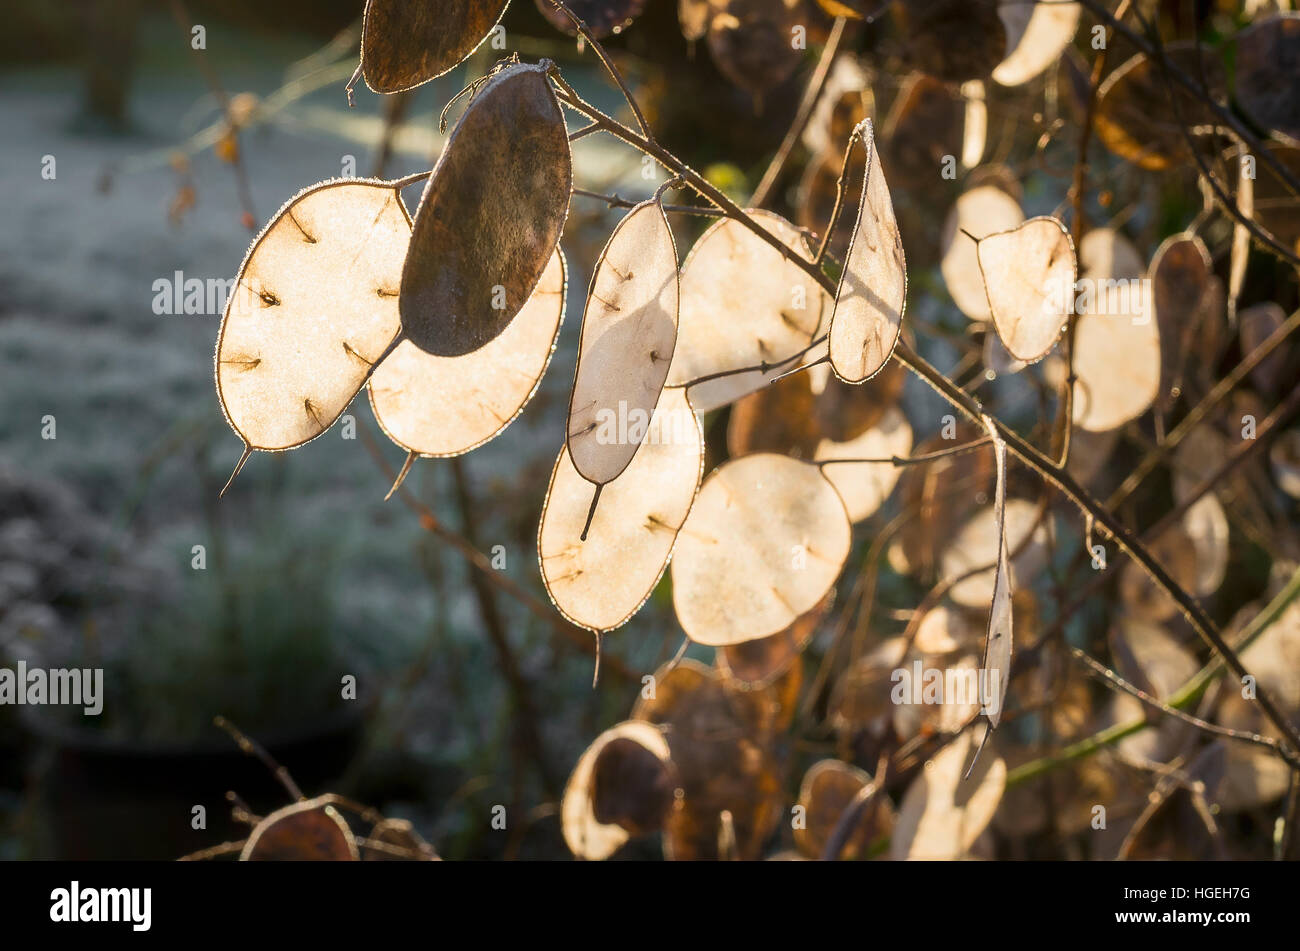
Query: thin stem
<point x="839" y="192"/>
<point x="1202" y="409"/>
<point x="811" y="94"/>
<point x="1157" y="53"/>
<point x="1120" y="685"/>
<point x="617" y="201"/>
<point x="1017" y="445"/>
<point x="587" y="35"/>
<point x="915" y="460"/>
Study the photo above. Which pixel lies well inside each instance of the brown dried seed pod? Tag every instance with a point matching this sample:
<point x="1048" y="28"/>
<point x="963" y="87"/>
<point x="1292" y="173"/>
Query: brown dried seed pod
<point x="954" y="40"/>
<point x="1181" y="273"/>
<point x="490" y="217"/>
<point x="1268" y="61"/>
<point x="408" y="42"/>
<point x="309" y="831"/>
<point x="609" y="800"/>
<point x="750" y="42"/>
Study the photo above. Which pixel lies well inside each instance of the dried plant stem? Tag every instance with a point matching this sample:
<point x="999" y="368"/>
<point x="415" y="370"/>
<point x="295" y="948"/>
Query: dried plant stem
<point x="253" y="748"/>
<point x="1019" y="447"/>
<point x="608" y="63"/>
<point x="1157" y="54"/>
<point x="527" y="736"/>
<point x="1181" y="699"/>
<point x="811" y="94"/>
<point x="1120" y="685"/>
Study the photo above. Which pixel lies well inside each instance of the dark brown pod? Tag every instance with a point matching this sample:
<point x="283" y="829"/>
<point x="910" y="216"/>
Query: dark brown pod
<point x="405" y="43"/>
<point x="490" y="217"/>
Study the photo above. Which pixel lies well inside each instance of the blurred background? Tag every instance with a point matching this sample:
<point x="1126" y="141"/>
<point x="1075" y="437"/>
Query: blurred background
<point x="115" y="552"/>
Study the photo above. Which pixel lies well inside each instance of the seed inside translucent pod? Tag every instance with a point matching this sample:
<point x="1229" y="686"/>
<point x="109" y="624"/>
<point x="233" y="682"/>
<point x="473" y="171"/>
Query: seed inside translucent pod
<point x="872" y="291"/>
<point x="763" y="544"/>
<point x="314" y="306"/>
<point x="490" y="217"/>
<point x="629" y="331"/>
<point x="408" y="42"/>
<point x="445" y="406"/>
<point x="599" y="582"/>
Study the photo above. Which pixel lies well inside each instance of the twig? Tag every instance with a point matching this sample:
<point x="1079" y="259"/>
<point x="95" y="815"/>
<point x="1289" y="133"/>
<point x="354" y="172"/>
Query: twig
<point x="811" y="94"/>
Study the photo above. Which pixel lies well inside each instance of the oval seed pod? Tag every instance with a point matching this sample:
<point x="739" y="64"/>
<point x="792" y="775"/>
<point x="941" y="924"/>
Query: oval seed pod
<point x="979" y="212"/>
<point x="308" y="831"/>
<point x="1029" y="275"/>
<point x="408" y="42"/>
<point x="446" y="406"/>
<point x="944" y="811"/>
<point x="1037" y="35"/>
<point x="1267" y="54"/>
<point x="637" y="776"/>
<point x="872" y="291"/>
<point x="1117" y="361"/>
<point x="744" y="305"/>
<point x="629" y="332"/>
<point x="490" y="217"/>
<point x="763" y="544"/>
<point x="864" y="486"/>
<point x="1182" y="275"/>
<point x="600" y="566"/>
<point x="314" y="307"/>
<point x="828" y="789"/>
